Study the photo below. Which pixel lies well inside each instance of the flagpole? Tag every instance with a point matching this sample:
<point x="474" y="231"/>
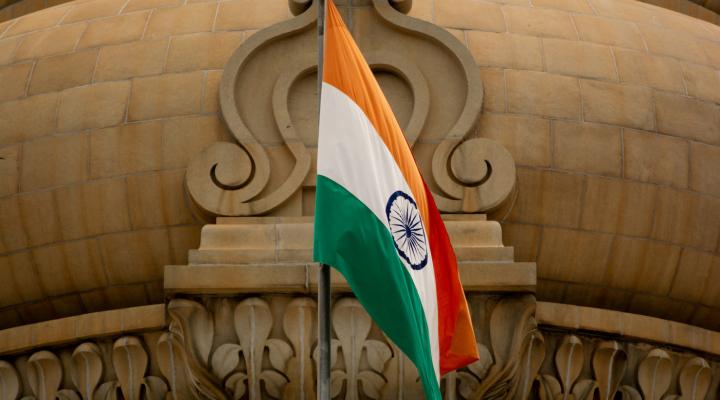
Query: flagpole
<point x="323" y="377"/>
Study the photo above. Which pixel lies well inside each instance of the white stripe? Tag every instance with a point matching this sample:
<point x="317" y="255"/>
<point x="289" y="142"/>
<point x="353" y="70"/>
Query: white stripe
<point x="351" y="153"/>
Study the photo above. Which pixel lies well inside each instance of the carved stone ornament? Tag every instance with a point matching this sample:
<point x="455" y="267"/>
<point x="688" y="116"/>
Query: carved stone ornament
<point x="268" y="99"/>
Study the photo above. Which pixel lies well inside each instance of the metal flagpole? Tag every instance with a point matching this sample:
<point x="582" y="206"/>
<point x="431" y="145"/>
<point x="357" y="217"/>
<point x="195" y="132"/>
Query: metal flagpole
<point x="323" y="376"/>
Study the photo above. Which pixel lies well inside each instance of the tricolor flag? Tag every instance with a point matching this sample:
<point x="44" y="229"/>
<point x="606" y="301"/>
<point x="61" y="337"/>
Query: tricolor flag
<point x="376" y="221"/>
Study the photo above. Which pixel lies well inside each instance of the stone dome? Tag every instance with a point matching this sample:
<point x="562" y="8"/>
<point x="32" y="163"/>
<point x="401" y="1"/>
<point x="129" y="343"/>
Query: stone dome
<point x="609" y="107"/>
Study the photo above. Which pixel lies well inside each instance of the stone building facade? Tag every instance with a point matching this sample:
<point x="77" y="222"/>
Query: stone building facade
<point x="157" y="193"/>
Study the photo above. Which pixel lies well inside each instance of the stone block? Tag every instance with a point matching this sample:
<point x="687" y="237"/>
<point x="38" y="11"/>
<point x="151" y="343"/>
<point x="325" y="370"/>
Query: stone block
<point x="584" y="147"/>
<point x="210" y="93"/>
<point x="64" y="71"/>
<point x="543" y="94"/>
<point x="249" y="14"/>
<point x="527" y="138"/>
<point x="92" y="208"/>
<point x="676" y="21"/>
<point x="423" y="9"/>
<point x="13" y="80"/>
<point x="9" y="170"/>
<point x="191" y="18"/>
<point x="702" y="82"/>
<point x="137" y="256"/>
<point x="688" y="218"/>
<point x="7" y="48"/>
<point x="166" y="96"/>
<point x="50" y="42"/>
<point x="548" y="197"/>
<point x="70" y="267"/>
<point x="54" y="161"/>
<point x="92" y="9"/>
<point x="94" y="106"/>
<point x="673" y="43"/>
<point x="705" y="168"/>
<point x="655" y="158"/>
<point x="539" y="22"/>
<point x="583" y="59"/>
<point x="113" y="30"/>
<point x="39" y="216"/>
<point x="640" y="68"/>
<point x="687" y="117"/>
<point x="661" y="307"/>
<point x="182" y="239"/>
<point x="130" y="60"/>
<point x="505" y="50"/>
<point x="644" y="327"/>
<point x="25" y="277"/>
<point x="12" y="236"/>
<point x="143" y="317"/>
<point x="642" y="265"/>
<point x="8" y="291"/>
<point x="631" y="11"/>
<point x="38" y="20"/>
<point x="67" y="306"/>
<point x="158" y="199"/>
<point x="469" y="14"/>
<point x="136" y="5"/>
<point x="617" y="104"/>
<point x="577" y="6"/>
<point x="523" y="238"/>
<point x="711" y="296"/>
<point x="126" y="149"/>
<point x="183" y="138"/>
<point x="693" y="275"/>
<point x="618" y="206"/>
<point x="608" y="31"/>
<point x="28" y="118"/>
<point x="202" y="51"/>
<point x="709" y="318"/>
<point x="583" y="262"/>
<point x="493" y="80"/>
<point x="712" y="51"/>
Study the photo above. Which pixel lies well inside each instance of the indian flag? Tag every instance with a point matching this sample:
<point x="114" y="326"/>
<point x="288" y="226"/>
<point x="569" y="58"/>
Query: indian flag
<point x="376" y="221"/>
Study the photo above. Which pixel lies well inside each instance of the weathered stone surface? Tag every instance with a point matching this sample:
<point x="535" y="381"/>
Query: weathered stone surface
<point x="37" y="21"/>
<point x="119" y="29"/>
<point x="617" y="206"/>
<point x="527" y="138"/>
<point x="673" y="43"/>
<point x="94" y="106"/>
<point x="135" y="256"/>
<point x="702" y="82"/>
<point x="28" y="118"/>
<point x="183" y="138"/>
<point x="202" y="50"/>
<point x="92" y="9"/>
<point x="608" y="31"/>
<point x="92" y="208"/>
<point x="210" y="97"/>
<point x="616" y="104"/>
<point x="39" y="217"/>
<point x="9" y="170"/>
<point x="493" y="89"/>
<point x="13" y="80"/>
<point x="640" y="68"/>
<point x="135" y="5"/>
<point x="642" y="265"/>
<point x="547" y="197"/>
<point x="126" y="149"/>
<point x="179" y="20"/>
<point x="54" y="41"/>
<point x="704" y="165"/>
<point x="157" y="200"/>
<point x="63" y="71"/>
<point x="688" y="218"/>
<point x="579" y="6"/>
<point x="696" y="269"/>
<point x="686" y="117"/>
<point x="248" y="14"/>
<point x="655" y="158"/>
<point x="539" y="22"/>
<point x="130" y="60"/>
<point x="505" y="50"/>
<point x="165" y="96"/>
<point x="70" y="267"/>
<point x="585" y="261"/>
<point x="470" y="14"/>
<point x="587" y="60"/>
<point x="54" y="161"/>
<point x="543" y="94"/>
<point x="587" y="147"/>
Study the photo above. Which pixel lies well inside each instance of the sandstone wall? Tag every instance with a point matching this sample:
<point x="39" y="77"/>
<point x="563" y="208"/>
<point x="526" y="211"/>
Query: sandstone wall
<point x="610" y="108"/>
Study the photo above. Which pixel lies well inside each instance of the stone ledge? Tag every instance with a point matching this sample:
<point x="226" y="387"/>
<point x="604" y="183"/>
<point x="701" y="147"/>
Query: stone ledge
<point x="631" y="326"/>
<point x="302" y="278"/>
<point x="86" y="326"/>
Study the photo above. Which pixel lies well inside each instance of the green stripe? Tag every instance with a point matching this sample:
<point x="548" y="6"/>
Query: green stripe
<point x="349" y="236"/>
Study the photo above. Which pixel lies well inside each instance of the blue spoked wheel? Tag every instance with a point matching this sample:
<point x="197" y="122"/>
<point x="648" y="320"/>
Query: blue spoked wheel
<point x="407" y="229"/>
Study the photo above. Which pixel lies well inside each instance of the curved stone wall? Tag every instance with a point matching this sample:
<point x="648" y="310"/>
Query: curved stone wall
<point x="610" y="108"/>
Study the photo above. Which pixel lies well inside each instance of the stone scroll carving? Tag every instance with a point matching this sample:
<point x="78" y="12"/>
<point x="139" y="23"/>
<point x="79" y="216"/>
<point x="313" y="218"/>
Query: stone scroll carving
<point x="268" y="99"/>
<point x="264" y="348"/>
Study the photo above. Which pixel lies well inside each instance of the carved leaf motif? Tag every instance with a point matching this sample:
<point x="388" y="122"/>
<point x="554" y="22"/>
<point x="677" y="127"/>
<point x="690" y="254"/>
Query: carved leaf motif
<point x="481" y="367"/>
<point x="172" y="362"/>
<point x="279" y="353"/>
<point x="378" y="353"/>
<point x="87" y="369"/>
<point x="655" y="374"/>
<point x="585" y="389"/>
<point x="298" y="323"/>
<point x="468" y="383"/>
<point x="533" y="354"/>
<point x="274" y="382"/>
<point x="130" y="362"/>
<point x="107" y="391"/>
<point x="336" y="382"/>
<point x="199" y="326"/>
<point x="549" y="387"/>
<point x="403" y="380"/>
<point x="67" y="394"/>
<point x="695" y="379"/>
<point x="629" y="393"/>
<point x="569" y="361"/>
<point x="609" y="363"/>
<point x="155" y="388"/>
<point x="372" y="383"/>
<point x="225" y="359"/>
<point x="236" y="385"/>
<point x="9" y="381"/>
<point x="44" y="375"/>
